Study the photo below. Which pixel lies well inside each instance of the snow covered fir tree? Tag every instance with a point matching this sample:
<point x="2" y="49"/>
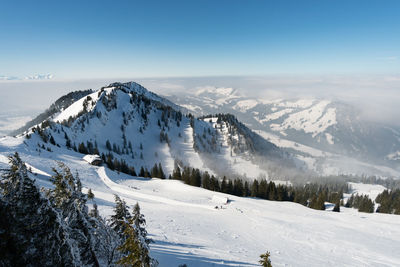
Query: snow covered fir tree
<point x="53" y="227"/>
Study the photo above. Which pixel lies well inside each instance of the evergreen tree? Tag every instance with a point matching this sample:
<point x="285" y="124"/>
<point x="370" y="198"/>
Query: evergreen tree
<point x="176" y="174"/>
<point x="246" y="189"/>
<point x="139" y="224"/>
<point x="254" y="189"/>
<point x="67" y="196"/>
<point x="195" y="178"/>
<point x="160" y="171"/>
<point x="52" y="141"/>
<point x="31" y="232"/>
<point x="90" y="194"/>
<point x="265" y="260"/>
<point x="224" y="186"/>
<point x="51" y="228"/>
<point x="135" y="248"/>
<point x="141" y="172"/>
<point x="337" y="207"/>
<point x="206" y="181"/>
<point x="82" y="149"/>
<point x="154" y="171"/>
<point x="121" y="215"/>
<point x="108" y="145"/>
<point x="130" y="248"/>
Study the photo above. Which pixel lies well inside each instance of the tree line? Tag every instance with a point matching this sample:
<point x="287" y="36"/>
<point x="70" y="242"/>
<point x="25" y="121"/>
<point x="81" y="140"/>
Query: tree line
<point x="312" y="195"/>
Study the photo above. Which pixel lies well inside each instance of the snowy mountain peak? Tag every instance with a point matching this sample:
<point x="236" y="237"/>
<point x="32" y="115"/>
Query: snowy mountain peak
<point x="130" y="87"/>
<point x="218" y="91"/>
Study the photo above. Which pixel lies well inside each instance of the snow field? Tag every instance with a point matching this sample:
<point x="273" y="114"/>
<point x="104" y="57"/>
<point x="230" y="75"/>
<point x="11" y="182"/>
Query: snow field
<point x="188" y="229"/>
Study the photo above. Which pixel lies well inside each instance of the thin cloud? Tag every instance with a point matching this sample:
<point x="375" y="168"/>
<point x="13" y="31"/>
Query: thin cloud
<point x="35" y="77"/>
<point x="390" y="58"/>
<point x="40" y="77"/>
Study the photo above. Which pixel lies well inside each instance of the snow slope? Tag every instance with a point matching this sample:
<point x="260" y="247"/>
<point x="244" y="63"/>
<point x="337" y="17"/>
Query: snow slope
<point x="371" y="190"/>
<point x="187" y="229"/>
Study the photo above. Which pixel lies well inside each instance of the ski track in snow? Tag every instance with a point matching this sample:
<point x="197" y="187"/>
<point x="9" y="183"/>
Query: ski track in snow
<point x="130" y="193"/>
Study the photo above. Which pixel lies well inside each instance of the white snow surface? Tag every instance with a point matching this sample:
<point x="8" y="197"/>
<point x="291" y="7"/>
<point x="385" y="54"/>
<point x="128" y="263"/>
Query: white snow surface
<point x="394" y="156"/>
<point x="91" y="158"/>
<point x="314" y="120"/>
<point x="371" y="190"/>
<point x="327" y="163"/>
<point x="245" y="105"/>
<point x="187" y="229"/>
<point x="276" y="115"/>
<point x="329" y="138"/>
<point x="75" y="108"/>
<point x="301" y="103"/>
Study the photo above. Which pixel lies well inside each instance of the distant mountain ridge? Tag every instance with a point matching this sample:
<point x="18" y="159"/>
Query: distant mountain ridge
<point x="328" y="126"/>
<point x="58" y="106"/>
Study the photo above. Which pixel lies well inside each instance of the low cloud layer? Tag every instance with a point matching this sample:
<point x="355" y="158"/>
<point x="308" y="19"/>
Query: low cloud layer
<point x="377" y="96"/>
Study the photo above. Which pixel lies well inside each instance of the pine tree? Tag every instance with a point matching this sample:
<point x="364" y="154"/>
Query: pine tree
<point x="229" y="187"/>
<point x="176" y="174"/>
<point x="224" y="186"/>
<point x="135" y="248"/>
<point x="139" y="224"/>
<point x="246" y="190"/>
<point x="51" y="228"/>
<point x="142" y="173"/>
<point x="154" y="171"/>
<point x="254" y="189"/>
<point x="130" y="248"/>
<point x="195" y="178"/>
<point x="108" y="145"/>
<point x="67" y="196"/>
<point x="120" y="216"/>
<point x="337" y="207"/>
<point x="82" y="149"/>
<point x="265" y="260"/>
<point x="31" y="232"/>
<point x="52" y="141"/>
<point x="90" y="194"/>
<point x="160" y="171"/>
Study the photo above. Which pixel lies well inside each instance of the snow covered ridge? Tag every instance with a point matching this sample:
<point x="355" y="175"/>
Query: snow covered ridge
<point x="131" y="127"/>
<point x="331" y="127"/>
<point x="88" y="103"/>
<point x="315" y="120"/>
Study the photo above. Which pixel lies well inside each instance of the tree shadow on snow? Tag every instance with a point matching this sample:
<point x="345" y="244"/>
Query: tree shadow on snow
<point x="175" y="254"/>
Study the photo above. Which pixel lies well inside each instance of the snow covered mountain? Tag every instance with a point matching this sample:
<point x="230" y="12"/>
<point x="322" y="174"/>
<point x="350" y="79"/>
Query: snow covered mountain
<point x="319" y="132"/>
<point x="131" y="127"/>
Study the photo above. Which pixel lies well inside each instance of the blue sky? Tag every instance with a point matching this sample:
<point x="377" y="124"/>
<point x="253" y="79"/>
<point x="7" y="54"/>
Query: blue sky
<point x="112" y="39"/>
